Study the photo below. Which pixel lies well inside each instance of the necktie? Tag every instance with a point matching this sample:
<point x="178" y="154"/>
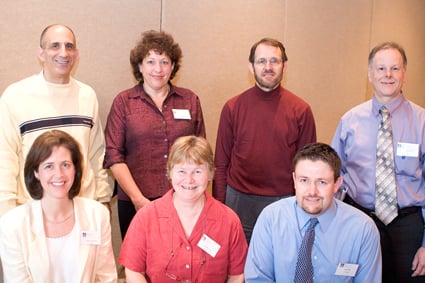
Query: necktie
<point x="304" y="269"/>
<point x="385" y="191"/>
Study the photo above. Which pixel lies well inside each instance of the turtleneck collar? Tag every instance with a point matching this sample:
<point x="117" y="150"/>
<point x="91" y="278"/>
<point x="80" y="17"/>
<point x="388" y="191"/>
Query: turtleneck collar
<point x="268" y="94"/>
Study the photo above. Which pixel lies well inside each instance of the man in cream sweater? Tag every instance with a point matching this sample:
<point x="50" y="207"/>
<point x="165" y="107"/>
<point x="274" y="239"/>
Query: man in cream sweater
<point x="48" y="100"/>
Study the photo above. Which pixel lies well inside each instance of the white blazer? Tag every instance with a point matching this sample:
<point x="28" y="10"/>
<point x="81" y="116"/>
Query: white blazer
<point x="23" y="247"/>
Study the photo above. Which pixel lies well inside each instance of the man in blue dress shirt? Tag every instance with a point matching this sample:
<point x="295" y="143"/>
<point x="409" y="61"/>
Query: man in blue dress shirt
<point x="346" y="245"/>
<point x="355" y="140"/>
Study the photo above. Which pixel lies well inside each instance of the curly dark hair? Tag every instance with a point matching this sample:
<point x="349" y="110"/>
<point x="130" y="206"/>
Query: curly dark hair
<point x="40" y="150"/>
<point x="160" y="42"/>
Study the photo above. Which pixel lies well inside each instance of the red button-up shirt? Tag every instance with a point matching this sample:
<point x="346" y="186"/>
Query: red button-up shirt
<point x="139" y="134"/>
<point x="156" y="243"/>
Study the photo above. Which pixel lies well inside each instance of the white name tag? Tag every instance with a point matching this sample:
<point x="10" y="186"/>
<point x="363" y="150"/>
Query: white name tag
<point x="347" y="269"/>
<point x="208" y="245"/>
<point x="182" y="114"/>
<point x="407" y="149"/>
<point x="90" y="238"/>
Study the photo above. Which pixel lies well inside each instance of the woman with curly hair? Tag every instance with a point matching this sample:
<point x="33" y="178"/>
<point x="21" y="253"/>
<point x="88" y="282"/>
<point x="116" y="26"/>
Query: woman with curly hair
<point x="145" y="120"/>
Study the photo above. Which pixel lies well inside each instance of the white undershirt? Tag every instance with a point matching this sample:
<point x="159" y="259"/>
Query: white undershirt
<point x="63" y="255"/>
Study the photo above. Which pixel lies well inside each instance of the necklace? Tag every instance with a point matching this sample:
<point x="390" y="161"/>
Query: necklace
<point x="159" y="98"/>
<point x="58" y="222"/>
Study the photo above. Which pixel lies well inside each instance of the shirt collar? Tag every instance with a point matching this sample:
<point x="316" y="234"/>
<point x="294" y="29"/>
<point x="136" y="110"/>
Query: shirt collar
<point x="166" y="200"/>
<point x="392" y="106"/>
<point x="325" y="218"/>
<point x="269" y="94"/>
<point x="141" y="92"/>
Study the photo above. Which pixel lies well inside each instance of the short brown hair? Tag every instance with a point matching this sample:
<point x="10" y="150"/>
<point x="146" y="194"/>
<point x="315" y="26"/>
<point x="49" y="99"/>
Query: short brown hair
<point x="320" y="152"/>
<point x="191" y="149"/>
<point x="388" y="45"/>
<point x="270" y="42"/>
<point x="40" y="150"/>
<point x="159" y="42"/>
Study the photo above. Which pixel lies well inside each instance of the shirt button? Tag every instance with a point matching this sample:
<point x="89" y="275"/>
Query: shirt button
<point x="188" y="248"/>
<point x="165" y="156"/>
<point x="165" y="139"/>
<point x="187" y="266"/>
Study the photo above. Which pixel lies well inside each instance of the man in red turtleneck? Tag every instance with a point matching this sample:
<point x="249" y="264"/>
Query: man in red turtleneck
<point x="259" y="133"/>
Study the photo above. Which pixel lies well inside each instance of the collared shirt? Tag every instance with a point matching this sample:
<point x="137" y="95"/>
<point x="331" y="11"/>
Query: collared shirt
<point x="139" y="134"/>
<point x="156" y="243"/>
<point x="343" y="235"/>
<point x="355" y="142"/>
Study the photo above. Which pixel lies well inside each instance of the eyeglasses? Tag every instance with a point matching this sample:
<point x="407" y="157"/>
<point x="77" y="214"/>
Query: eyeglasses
<point x="177" y="278"/>
<point x="262" y="62"/>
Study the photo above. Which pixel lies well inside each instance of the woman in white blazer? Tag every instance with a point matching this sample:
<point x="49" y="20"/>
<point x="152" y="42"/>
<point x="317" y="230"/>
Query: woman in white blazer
<point x="57" y="237"/>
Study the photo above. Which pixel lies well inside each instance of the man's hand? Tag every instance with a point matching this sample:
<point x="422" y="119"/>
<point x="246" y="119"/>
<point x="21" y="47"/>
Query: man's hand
<point x="418" y="264"/>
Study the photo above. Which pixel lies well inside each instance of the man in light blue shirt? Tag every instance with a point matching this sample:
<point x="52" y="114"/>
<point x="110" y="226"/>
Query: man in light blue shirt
<point x="355" y="141"/>
<point x="346" y="246"/>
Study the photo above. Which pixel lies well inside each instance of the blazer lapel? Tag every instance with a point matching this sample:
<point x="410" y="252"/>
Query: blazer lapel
<point x="38" y="258"/>
<point x="83" y="225"/>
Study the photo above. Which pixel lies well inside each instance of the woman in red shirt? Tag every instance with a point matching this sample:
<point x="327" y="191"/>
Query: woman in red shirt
<point x="145" y="120"/>
<point x="186" y="235"/>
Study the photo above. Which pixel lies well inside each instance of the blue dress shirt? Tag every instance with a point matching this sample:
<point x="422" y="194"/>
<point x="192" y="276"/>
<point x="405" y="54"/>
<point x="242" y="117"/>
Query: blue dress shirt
<point x="355" y="143"/>
<point x="343" y="235"/>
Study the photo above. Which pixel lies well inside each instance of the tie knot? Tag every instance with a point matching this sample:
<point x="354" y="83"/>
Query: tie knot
<point x="384" y="112"/>
<point x="313" y="223"/>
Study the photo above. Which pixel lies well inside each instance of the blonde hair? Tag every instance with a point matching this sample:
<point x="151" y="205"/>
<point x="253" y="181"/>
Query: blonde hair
<point x="191" y="149"/>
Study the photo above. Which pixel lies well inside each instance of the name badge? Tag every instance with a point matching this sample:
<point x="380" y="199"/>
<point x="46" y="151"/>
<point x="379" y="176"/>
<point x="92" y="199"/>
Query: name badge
<point x="347" y="269"/>
<point x="407" y="149"/>
<point x="182" y="114"/>
<point x="90" y="238"/>
<point x="208" y="245"/>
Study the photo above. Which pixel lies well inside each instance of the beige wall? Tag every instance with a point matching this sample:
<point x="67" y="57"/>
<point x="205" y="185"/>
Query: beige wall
<point x="327" y="43"/>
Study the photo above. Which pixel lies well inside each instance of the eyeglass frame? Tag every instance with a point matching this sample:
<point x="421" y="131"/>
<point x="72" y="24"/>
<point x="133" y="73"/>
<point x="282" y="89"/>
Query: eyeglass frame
<point x="177" y="278"/>
<point x="262" y="62"/>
